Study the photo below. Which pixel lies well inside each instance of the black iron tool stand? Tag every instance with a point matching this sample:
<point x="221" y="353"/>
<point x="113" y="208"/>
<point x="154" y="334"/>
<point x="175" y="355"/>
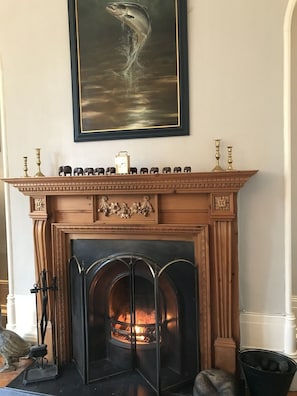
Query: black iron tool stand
<point x="42" y="370"/>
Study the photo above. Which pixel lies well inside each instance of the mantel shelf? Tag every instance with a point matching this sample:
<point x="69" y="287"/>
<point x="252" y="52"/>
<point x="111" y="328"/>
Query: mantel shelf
<point x="230" y="181"/>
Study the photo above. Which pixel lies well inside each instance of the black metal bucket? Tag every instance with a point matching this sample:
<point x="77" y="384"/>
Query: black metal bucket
<point x="267" y="373"/>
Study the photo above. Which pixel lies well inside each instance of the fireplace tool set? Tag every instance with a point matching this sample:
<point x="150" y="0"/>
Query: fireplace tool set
<point x="42" y="370"/>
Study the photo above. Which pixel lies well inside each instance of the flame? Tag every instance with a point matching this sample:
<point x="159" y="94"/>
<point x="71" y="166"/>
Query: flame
<point x="143" y="321"/>
<point x="141" y="317"/>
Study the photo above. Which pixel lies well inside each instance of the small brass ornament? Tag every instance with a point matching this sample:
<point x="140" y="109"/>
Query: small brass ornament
<point x="218" y="168"/>
<point x="25" y="167"/>
<point x="38" y="162"/>
<point x="230" y="159"/>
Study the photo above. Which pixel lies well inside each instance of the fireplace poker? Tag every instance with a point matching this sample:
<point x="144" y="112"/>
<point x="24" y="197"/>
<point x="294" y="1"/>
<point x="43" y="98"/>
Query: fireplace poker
<point x="39" y="351"/>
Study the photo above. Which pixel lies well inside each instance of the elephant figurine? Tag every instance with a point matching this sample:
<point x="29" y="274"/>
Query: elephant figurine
<point x="177" y="169"/>
<point x="78" y="171"/>
<point x="154" y="170"/>
<point x="99" y="171"/>
<point x="133" y="171"/>
<point x="65" y="170"/>
<point x="89" y="171"/>
<point x="111" y="170"/>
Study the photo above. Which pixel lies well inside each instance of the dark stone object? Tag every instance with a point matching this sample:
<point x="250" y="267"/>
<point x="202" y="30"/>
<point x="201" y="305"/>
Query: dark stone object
<point x="154" y="170"/>
<point x="187" y="169"/>
<point x="166" y="169"/>
<point x="215" y="382"/>
<point x="143" y="171"/>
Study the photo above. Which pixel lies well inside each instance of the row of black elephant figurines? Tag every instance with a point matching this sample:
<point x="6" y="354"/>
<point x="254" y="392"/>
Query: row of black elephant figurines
<point x="66" y="170"/>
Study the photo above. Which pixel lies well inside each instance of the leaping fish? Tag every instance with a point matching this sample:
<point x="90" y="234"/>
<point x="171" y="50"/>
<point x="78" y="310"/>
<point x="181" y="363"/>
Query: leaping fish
<point x="137" y="19"/>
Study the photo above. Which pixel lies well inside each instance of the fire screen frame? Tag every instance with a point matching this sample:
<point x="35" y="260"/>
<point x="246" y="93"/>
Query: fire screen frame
<point x="82" y="278"/>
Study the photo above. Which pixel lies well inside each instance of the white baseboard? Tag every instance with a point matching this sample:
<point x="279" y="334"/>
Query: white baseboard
<point x="294" y="305"/>
<point x="25" y="312"/>
<point x="262" y="331"/>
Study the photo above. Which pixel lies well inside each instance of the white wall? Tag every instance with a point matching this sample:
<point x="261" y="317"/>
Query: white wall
<point x="294" y="158"/>
<point x="294" y="150"/>
<point x="236" y="93"/>
<point x="3" y="258"/>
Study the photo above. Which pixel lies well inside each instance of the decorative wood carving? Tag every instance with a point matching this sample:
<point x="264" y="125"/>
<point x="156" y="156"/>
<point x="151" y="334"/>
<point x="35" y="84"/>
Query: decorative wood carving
<point x="200" y="207"/>
<point x="125" y="211"/>
<point x="222" y="202"/>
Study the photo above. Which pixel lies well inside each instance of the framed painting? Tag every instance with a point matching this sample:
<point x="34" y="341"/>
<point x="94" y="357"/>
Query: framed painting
<point x="129" y="64"/>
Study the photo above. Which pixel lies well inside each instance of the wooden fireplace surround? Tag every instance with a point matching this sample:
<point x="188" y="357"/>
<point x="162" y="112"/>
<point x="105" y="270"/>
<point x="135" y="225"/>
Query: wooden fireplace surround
<point x="199" y="207"/>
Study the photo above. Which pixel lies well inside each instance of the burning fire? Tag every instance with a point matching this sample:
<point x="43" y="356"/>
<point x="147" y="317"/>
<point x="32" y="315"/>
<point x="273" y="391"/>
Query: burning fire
<point x="143" y="331"/>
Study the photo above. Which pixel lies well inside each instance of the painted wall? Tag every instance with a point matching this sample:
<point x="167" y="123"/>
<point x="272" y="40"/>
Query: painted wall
<point x="236" y="94"/>
<point x="294" y="150"/>
<point x="3" y="258"/>
<point x="294" y="160"/>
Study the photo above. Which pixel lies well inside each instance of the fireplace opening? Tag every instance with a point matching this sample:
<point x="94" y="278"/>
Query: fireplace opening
<point x="133" y="313"/>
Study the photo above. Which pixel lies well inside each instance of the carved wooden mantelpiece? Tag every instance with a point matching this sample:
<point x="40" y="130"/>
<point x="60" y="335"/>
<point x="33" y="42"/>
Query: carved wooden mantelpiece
<point x="199" y="207"/>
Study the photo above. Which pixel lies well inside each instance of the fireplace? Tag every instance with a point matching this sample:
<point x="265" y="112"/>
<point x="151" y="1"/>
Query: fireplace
<point x="130" y="305"/>
<point x="194" y="209"/>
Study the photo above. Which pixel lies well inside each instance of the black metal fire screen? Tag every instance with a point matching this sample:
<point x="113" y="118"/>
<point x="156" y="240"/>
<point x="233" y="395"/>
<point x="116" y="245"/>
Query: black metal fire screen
<point x="130" y="313"/>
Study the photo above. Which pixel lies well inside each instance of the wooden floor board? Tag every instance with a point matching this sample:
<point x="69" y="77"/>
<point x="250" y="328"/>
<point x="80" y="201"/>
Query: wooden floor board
<point x="7" y="376"/>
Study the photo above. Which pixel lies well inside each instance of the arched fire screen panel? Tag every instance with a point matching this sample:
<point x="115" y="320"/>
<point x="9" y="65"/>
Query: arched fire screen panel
<point x="130" y="313"/>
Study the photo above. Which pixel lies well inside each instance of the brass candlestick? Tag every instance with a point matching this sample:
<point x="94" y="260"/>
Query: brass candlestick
<point x="25" y="166"/>
<point x="38" y="162"/>
<point x="218" y="168"/>
<point x="230" y="159"/>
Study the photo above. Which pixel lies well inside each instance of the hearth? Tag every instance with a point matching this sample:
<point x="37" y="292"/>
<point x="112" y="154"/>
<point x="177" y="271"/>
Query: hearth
<point x="135" y="309"/>
<point x="197" y="209"/>
<point x="69" y="383"/>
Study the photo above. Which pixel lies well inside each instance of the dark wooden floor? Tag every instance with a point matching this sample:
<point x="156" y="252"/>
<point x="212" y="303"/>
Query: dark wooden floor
<point x="7" y="376"/>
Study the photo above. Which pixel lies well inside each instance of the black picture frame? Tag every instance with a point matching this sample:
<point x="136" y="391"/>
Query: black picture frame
<point x="129" y="67"/>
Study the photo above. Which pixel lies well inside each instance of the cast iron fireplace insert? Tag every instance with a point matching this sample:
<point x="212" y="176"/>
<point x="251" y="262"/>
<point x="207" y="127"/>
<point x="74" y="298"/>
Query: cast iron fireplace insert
<point x="134" y="309"/>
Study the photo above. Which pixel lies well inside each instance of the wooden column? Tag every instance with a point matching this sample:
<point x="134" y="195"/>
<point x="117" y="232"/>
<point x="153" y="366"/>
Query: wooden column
<point x="42" y="252"/>
<point x="224" y="343"/>
<point x="225" y="280"/>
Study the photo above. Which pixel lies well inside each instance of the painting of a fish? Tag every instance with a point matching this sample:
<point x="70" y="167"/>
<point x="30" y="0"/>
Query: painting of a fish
<point x="129" y="68"/>
<point x="136" y="21"/>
